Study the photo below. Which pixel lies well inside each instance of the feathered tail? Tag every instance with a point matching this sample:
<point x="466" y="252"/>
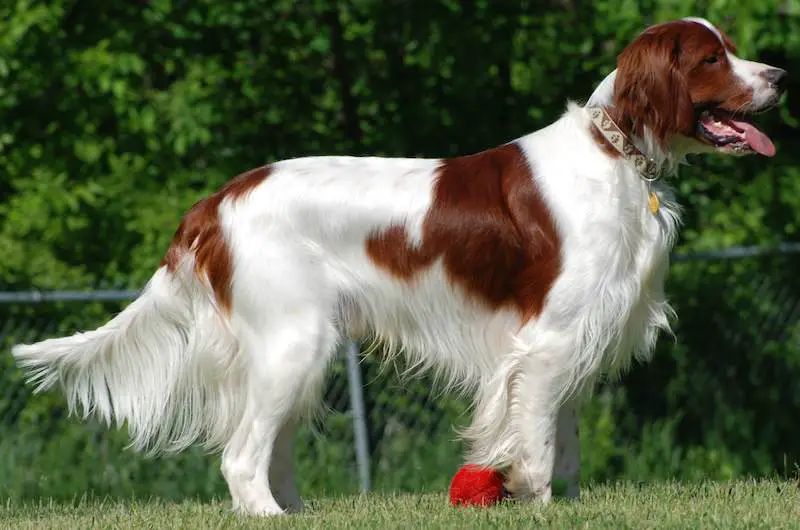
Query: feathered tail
<point x="163" y="365"/>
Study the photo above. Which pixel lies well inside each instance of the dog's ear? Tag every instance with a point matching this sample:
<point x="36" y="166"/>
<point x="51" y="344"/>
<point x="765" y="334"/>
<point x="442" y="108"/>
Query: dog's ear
<point x="649" y="89"/>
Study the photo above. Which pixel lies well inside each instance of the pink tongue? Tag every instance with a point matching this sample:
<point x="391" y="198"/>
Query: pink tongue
<point x="756" y="139"/>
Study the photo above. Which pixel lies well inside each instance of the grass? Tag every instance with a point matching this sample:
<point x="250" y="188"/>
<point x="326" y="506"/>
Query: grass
<point x="741" y="504"/>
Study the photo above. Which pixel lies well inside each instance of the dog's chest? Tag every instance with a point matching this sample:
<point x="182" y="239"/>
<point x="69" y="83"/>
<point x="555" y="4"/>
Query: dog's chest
<point x="643" y="310"/>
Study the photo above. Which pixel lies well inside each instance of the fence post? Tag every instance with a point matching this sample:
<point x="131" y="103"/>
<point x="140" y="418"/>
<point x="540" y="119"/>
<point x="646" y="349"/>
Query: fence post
<point x="359" y="415"/>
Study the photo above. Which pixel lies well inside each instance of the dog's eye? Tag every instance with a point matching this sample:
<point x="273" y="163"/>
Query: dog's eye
<point x="711" y="60"/>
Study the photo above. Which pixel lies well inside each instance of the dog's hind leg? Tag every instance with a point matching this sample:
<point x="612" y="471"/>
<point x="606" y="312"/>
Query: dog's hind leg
<point x="288" y="347"/>
<point x="281" y="470"/>
<point x="568" y="450"/>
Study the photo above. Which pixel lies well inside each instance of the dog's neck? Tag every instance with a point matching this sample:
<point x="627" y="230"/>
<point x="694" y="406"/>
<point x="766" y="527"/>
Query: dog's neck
<point x="619" y="141"/>
<point x="659" y="160"/>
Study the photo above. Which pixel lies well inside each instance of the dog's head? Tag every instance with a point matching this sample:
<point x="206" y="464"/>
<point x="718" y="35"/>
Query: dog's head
<point x="683" y="83"/>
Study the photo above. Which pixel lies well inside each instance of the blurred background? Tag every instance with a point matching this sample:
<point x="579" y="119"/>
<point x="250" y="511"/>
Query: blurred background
<point x="116" y="116"/>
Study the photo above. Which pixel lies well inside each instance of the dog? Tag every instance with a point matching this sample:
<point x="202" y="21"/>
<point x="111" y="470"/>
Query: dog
<point x="520" y="274"/>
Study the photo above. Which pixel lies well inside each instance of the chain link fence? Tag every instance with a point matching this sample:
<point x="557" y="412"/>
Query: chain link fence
<point x="384" y="432"/>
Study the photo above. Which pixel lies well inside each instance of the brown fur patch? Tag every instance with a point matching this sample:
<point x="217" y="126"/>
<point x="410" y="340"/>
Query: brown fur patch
<point x="491" y="228"/>
<point x="200" y="232"/>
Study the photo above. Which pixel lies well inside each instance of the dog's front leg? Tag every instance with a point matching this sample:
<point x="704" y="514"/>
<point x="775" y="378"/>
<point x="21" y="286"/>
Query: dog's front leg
<point x="535" y="409"/>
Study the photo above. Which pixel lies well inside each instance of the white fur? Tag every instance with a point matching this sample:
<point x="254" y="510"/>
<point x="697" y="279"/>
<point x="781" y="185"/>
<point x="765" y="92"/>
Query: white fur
<point x="603" y="95"/>
<point x="707" y="24"/>
<point x="751" y="74"/>
<point x="176" y="369"/>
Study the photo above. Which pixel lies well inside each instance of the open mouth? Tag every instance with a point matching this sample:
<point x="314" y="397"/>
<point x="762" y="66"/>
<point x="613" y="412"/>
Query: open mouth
<point x="734" y="134"/>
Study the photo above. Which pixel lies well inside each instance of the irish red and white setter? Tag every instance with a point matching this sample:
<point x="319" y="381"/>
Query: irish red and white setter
<point x="520" y="274"/>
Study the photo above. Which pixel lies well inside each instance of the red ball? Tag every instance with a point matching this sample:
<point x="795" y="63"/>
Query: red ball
<point x="476" y="486"/>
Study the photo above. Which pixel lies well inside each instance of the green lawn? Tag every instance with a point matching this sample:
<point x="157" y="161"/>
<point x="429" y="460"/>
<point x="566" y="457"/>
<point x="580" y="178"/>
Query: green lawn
<point x="766" y="504"/>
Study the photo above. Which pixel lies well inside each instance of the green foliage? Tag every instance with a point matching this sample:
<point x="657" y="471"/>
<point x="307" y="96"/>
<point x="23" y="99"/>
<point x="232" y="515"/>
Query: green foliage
<point x="117" y="116"/>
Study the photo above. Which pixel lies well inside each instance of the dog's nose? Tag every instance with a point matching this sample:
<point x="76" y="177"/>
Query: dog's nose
<point x="776" y="77"/>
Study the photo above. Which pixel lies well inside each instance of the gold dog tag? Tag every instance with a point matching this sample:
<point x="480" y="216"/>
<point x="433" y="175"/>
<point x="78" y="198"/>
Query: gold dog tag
<point x="653" y="203"/>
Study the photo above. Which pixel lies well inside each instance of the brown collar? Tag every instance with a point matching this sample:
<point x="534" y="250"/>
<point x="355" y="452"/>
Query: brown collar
<point x="646" y="167"/>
